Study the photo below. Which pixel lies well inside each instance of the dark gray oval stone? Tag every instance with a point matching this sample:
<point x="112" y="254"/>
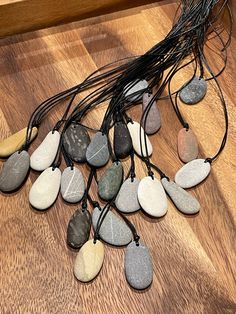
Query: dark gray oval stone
<point x="194" y="91"/>
<point x="14" y="171"/>
<point x="78" y="229"/>
<point x="153" y="119"/>
<point x="72" y="185"/>
<point x="97" y="153"/>
<point x="109" y="184"/>
<point x="75" y="141"/>
<point x="127" y="198"/>
<point x="138" y="266"/>
<point x="122" y="140"/>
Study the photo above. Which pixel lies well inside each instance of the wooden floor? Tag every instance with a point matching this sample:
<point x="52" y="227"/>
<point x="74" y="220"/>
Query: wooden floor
<point x="194" y="257"/>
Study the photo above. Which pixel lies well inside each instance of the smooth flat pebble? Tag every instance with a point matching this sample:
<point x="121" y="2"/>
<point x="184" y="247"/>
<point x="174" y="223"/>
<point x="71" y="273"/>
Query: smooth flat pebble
<point x="122" y="140"/>
<point x="194" y="91"/>
<point x="187" y="145"/>
<point x="152" y="115"/>
<point x="134" y="90"/>
<point x="72" y="185"/>
<point x="127" y="198"/>
<point x="97" y="153"/>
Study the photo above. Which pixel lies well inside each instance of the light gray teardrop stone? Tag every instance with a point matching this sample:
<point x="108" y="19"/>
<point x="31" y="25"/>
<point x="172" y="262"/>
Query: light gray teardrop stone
<point x="127" y="198"/>
<point x="151" y="120"/>
<point x="138" y="266"/>
<point x="72" y="185"/>
<point x="134" y="90"/>
<point x="194" y="91"/>
<point x="97" y="153"/>
<point x="182" y="199"/>
<point x="113" y="230"/>
<point x="14" y="171"/>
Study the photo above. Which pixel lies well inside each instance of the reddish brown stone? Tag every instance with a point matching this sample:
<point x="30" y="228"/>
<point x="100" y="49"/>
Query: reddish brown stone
<point x="187" y="145"/>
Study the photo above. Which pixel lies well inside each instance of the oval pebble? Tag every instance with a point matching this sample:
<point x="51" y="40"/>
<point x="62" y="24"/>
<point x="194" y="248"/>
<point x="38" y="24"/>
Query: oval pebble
<point x="122" y="140"/>
<point x="134" y="129"/>
<point x="127" y="198"/>
<point x="152" y="197"/>
<point x="14" y="171"/>
<point x="89" y="260"/>
<point x="113" y="229"/>
<point x="152" y="115"/>
<point x="194" y="91"/>
<point x="78" y="229"/>
<point x="72" y="185"/>
<point x="187" y="145"/>
<point x="138" y="266"/>
<point x="44" y="191"/>
<point x="45" y="154"/>
<point x="97" y="153"/>
<point x="192" y="173"/>
<point x="183" y="200"/>
<point x="134" y="90"/>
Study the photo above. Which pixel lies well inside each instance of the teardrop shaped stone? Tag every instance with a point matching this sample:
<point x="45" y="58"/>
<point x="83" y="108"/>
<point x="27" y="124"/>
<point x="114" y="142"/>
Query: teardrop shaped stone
<point x="152" y="116"/>
<point x="14" y="171"/>
<point x="194" y="91"/>
<point x="72" y="185"/>
<point x="78" y="229"/>
<point x="134" y="129"/>
<point x="192" y="173"/>
<point x="127" y="198"/>
<point x="89" y="260"/>
<point x="44" y="155"/>
<point x="182" y="199"/>
<point x="97" y="153"/>
<point x="138" y="266"/>
<point x="152" y="197"/>
<point x="75" y="141"/>
<point x="44" y="191"/>
<point x="113" y="229"/>
<point x="15" y="142"/>
<point x="187" y="145"/>
<point x="122" y="140"/>
<point x="134" y="90"/>
<point x="109" y="184"/>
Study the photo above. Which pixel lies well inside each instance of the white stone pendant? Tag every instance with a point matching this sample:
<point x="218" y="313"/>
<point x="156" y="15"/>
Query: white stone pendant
<point x="44" y="191"/>
<point x="44" y="155"/>
<point x="127" y="198"/>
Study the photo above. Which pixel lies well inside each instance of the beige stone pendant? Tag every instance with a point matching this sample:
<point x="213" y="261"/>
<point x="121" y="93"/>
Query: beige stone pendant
<point x="187" y="145"/>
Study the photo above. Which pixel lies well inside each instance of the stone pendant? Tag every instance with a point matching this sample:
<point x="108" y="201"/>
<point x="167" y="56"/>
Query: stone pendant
<point x="78" y="229"/>
<point x="97" y="153"/>
<point x="138" y="266"/>
<point x="134" y="90"/>
<point x="152" y="197"/>
<point x="44" y="191"/>
<point x="134" y="129"/>
<point x="14" y="171"/>
<point x="187" y="145"/>
<point x="72" y="185"/>
<point x="127" y="198"/>
<point x="113" y="229"/>
<point x="193" y="173"/>
<point x="183" y="200"/>
<point x="89" y="260"/>
<point x="75" y="142"/>
<point x="110" y="182"/>
<point x="152" y="116"/>
<point x="122" y="140"/>
<point x="194" y="91"/>
<point x="15" y="142"/>
<point x="44" y="155"/>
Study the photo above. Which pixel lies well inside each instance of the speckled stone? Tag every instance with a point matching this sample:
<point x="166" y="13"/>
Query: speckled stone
<point x="152" y="116"/>
<point x="109" y="184"/>
<point x="72" y="185"/>
<point x="134" y="90"/>
<point x="78" y="229"/>
<point x="138" y="266"/>
<point x="182" y="199"/>
<point x="97" y="153"/>
<point x="193" y="173"/>
<point x="14" y="171"/>
<point x="194" y="91"/>
<point x="75" y="141"/>
<point x="187" y="145"/>
<point x="122" y="140"/>
<point x="127" y="198"/>
<point x="113" y="229"/>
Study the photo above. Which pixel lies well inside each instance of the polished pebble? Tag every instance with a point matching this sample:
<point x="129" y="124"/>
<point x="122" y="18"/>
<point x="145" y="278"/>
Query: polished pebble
<point x="97" y="153"/>
<point x="122" y="140"/>
<point x="187" y="145"/>
<point x="194" y="91"/>
<point x="151" y="120"/>
<point x="134" y="90"/>
<point x="127" y="198"/>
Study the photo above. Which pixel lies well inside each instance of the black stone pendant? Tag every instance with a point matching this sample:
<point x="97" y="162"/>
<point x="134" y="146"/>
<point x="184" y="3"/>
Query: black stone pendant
<point x="122" y="140"/>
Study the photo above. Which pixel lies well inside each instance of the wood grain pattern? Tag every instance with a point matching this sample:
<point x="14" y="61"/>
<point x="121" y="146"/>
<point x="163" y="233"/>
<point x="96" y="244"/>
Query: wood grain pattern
<point x="194" y="257"/>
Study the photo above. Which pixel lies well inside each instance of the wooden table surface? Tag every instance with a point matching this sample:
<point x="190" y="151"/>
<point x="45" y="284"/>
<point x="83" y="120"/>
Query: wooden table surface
<point x="194" y="257"/>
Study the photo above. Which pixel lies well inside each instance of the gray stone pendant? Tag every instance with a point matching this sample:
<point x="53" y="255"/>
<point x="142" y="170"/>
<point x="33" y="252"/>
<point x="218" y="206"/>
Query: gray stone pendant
<point x="192" y="173"/>
<point x="152" y="116"/>
<point x="187" y="145"/>
<point x="97" y="153"/>
<point x="14" y="171"/>
<point x="134" y="90"/>
<point x="194" y="91"/>
<point x="138" y="266"/>
<point x="113" y="230"/>
<point x="127" y="198"/>
<point x="110" y="182"/>
<point x="122" y="140"/>
<point x="75" y="142"/>
<point x="78" y="229"/>
<point x="183" y="200"/>
<point x="72" y="185"/>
